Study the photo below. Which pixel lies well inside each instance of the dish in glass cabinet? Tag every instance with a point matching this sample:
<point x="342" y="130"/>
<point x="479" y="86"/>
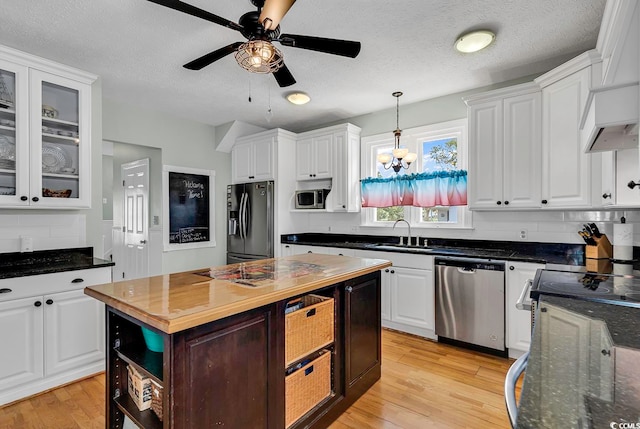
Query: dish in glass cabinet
<point x="7" y="148"/>
<point x="6" y="190"/>
<point x="54" y="158"/>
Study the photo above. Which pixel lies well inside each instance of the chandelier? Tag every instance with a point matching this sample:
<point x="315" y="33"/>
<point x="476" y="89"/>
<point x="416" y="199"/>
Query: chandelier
<point x="401" y="157"/>
<point x="259" y="56"/>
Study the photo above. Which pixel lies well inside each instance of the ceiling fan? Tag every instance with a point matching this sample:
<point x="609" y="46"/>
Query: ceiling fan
<point x="261" y="28"/>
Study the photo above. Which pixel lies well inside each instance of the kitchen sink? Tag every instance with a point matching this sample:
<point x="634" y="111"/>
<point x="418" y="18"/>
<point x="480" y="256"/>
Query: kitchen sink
<point x="414" y="249"/>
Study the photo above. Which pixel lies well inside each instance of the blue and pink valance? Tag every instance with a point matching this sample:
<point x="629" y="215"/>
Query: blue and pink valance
<point x="440" y="188"/>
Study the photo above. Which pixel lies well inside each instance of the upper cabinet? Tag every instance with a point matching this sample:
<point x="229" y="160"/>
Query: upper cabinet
<point x="566" y="169"/>
<point x="332" y="153"/>
<point x="253" y="160"/>
<point x="314" y="156"/>
<point x="504" y="148"/>
<point x="45" y="133"/>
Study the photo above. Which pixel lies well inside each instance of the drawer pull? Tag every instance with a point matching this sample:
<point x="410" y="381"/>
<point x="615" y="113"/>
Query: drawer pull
<point x="5" y="290"/>
<point x="311" y="312"/>
<point x="77" y="280"/>
<point x="308" y="370"/>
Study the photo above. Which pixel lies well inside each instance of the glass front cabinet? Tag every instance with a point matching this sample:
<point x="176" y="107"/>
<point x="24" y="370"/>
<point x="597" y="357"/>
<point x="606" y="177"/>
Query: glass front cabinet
<point x="45" y="134"/>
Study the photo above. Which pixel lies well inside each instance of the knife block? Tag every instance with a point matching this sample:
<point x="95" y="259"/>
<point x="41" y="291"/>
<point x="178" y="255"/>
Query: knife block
<point x="602" y="250"/>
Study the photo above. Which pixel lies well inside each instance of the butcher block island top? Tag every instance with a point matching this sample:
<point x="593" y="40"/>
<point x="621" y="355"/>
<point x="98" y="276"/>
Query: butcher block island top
<point x="175" y="302"/>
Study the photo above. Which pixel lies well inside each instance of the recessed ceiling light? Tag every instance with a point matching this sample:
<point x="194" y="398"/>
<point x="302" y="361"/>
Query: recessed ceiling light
<point x="474" y="41"/>
<point x="298" y="98"/>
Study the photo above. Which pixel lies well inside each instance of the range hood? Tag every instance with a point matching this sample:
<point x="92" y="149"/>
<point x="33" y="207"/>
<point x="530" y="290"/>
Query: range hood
<point x="610" y="120"/>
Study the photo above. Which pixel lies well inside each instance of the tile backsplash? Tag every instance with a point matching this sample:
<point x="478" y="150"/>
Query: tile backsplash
<point x="46" y="231"/>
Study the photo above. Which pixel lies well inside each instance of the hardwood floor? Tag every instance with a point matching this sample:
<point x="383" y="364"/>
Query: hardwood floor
<point x="424" y="385"/>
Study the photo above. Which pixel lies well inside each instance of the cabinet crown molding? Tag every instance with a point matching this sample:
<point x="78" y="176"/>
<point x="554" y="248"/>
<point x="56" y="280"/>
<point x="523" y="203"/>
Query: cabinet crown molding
<point x="341" y="127"/>
<point x="576" y="64"/>
<point x="499" y="94"/>
<point x="276" y="132"/>
<point x="47" y="65"/>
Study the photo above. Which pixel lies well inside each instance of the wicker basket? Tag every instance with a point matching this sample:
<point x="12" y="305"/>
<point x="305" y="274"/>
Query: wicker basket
<point x="308" y="329"/>
<point x="156" y="399"/>
<point x="307" y="387"/>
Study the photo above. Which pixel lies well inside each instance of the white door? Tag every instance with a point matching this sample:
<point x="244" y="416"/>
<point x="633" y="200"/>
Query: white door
<point x="74" y="331"/>
<point x="412" y="297"/>
<point x="21" y="338"/>
<point x="134" y="253"/>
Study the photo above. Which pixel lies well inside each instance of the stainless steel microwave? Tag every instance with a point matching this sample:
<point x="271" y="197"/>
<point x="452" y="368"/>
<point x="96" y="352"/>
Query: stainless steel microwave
<point x="311" y="198"/>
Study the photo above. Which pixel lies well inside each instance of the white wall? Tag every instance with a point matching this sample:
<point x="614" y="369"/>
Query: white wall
<point x="183" y="143"/>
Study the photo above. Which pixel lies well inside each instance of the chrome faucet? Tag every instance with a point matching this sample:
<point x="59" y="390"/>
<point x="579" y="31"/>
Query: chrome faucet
<point x="409" y="233"/>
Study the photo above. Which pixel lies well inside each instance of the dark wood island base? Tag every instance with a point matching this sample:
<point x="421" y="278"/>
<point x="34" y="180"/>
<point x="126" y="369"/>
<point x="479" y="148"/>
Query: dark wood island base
<point x="230" y="372"/>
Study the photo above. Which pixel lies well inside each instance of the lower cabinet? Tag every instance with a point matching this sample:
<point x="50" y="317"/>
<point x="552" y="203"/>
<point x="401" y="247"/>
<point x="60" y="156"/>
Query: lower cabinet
<point x="518" y="322"/>
<point x="49" y="339"/>
<point x="408" y="294"/>
<point x="234" y="372"/>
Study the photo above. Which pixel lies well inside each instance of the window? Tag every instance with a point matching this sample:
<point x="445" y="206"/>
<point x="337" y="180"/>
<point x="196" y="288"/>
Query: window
<point x="439" y="147"/>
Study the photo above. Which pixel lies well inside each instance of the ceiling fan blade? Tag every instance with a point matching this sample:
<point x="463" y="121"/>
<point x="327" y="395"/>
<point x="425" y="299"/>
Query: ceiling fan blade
<point x="197" y="12"/>
<point x="346" y="48"/>
<point x="209" y="58"/>
<point x="284" y="77"/>
<point x="273" y="11"/>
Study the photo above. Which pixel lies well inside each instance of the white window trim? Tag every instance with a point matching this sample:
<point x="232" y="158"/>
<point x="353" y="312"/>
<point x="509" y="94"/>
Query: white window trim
<point x="411" y="139"/>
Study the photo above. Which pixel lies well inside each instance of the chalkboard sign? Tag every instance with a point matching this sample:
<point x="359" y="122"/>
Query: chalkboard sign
<point x="188" y="220"/>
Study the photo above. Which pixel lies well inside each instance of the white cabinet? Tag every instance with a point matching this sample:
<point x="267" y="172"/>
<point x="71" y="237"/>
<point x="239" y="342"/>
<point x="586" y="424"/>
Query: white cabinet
<point x="74" y="331"/>
<point x="566" y="169"/>
<point x="50" y="331"/>
<point x="504" y="148"/>
<point x="21" y="335"/>
<point x="45" y="133"/>
<point x="314" y="157"/>
<point x="518" y="322"/>
<point x="408" y="294"/>
<point x="332" y="153"/>
<point x="253" y="160"/>
<point x="345" y="189"/>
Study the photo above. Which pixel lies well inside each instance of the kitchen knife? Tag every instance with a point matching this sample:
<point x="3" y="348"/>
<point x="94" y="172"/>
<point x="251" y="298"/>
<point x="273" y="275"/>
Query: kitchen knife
<point x="595" y="230"/>
<point x="587" y="229"/>
<point x="587" y="238"/>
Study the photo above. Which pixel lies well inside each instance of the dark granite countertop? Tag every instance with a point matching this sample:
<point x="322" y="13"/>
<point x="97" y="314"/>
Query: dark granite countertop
<point x="549" y="253"/>
<point x="49" y="261"/>
<point x="582" y="368"/>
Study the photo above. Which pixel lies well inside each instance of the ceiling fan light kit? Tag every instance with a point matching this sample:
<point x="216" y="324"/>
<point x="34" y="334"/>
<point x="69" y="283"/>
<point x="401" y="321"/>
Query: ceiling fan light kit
<point x="474" y="41"/>
<point x="261" y="28"/>
<point x="298" y="98"/>
<point x="259" y="56"/>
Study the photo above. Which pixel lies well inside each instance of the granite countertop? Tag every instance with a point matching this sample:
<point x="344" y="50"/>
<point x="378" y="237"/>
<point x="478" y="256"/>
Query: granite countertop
<point x="544" y="253"/>
<point x="174" y="302"/>
<point x="582" y="368"/>
<point x="49" y="261"/>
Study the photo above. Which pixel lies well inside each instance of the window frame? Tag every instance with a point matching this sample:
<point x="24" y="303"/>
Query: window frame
<point x="412" y="139"/>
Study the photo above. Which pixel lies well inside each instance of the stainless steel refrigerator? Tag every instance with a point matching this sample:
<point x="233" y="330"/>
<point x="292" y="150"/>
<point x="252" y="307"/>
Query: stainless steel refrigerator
<point x="249" y="221"/>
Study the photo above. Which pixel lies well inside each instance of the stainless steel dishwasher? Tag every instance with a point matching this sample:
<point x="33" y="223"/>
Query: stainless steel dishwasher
<point x="470" y="303"/>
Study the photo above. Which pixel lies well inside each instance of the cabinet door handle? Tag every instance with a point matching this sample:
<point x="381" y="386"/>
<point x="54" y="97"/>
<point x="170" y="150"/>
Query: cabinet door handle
<point x="387" y="270"/>
<point x="544" y="201"/>
<point x="311" y="312"/>
<point x="606" y="352"/>
<point x="37" y="303"/>
<point x="349" y="289"/>
<point x="49" y="301"/>
<point x="632" y="184"/>
<point x="5" y="290"/>
<point x="511" y="267"/>
<point x="606" y="195"/>
<point x="392" y="271"/>
<point x="24" y="198"/>
<point x="499" y="202"/>
<point x="35" y="199"/>
<point x="506" y="203"/>
<point x="78" y="280"/>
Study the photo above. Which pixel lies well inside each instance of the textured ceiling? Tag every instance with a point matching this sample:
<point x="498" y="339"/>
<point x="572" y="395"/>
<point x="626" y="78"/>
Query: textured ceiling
<point x="138" y="48"/>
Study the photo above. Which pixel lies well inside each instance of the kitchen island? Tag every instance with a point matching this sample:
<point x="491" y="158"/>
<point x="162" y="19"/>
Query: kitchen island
<point x="226" y="342"/>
